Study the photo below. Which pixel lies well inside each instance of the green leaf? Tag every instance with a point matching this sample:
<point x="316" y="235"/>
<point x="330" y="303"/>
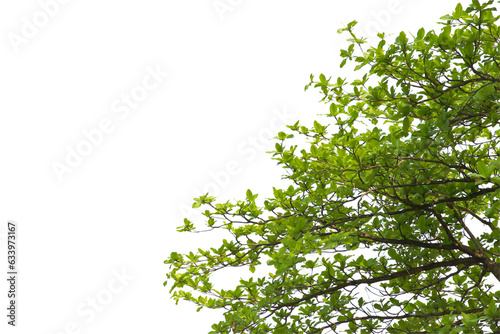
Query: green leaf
<point x="457" y="14"/>
<point x="333" y="109"/>
<point x="495" y="179"/>
<point x="393" y="254"/>
<point x="421" y="33"/>
<point x="406" y="124"/>
<point x="483" y="170"/>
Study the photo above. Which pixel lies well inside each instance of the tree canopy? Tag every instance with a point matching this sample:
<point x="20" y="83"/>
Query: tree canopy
<point x="390" y="222"/>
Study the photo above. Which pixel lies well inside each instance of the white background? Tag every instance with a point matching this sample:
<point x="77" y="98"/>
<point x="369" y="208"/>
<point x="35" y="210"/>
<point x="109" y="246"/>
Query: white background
<point x="231" y="71"/>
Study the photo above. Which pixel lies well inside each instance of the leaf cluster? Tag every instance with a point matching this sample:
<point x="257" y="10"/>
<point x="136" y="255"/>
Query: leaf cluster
<point x="391" y="221"/>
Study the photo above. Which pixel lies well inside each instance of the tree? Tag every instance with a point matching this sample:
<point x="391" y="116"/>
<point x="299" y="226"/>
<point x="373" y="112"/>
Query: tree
<point x="390" y="222"/>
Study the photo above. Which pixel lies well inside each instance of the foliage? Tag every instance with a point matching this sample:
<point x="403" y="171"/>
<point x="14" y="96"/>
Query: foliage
<point x="390" y="223"/>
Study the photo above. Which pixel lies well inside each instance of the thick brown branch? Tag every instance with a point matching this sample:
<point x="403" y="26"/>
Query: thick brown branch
<point x="406" y="316"/>
<point x="402" y="273"/>
<point x="407" y="242"/>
